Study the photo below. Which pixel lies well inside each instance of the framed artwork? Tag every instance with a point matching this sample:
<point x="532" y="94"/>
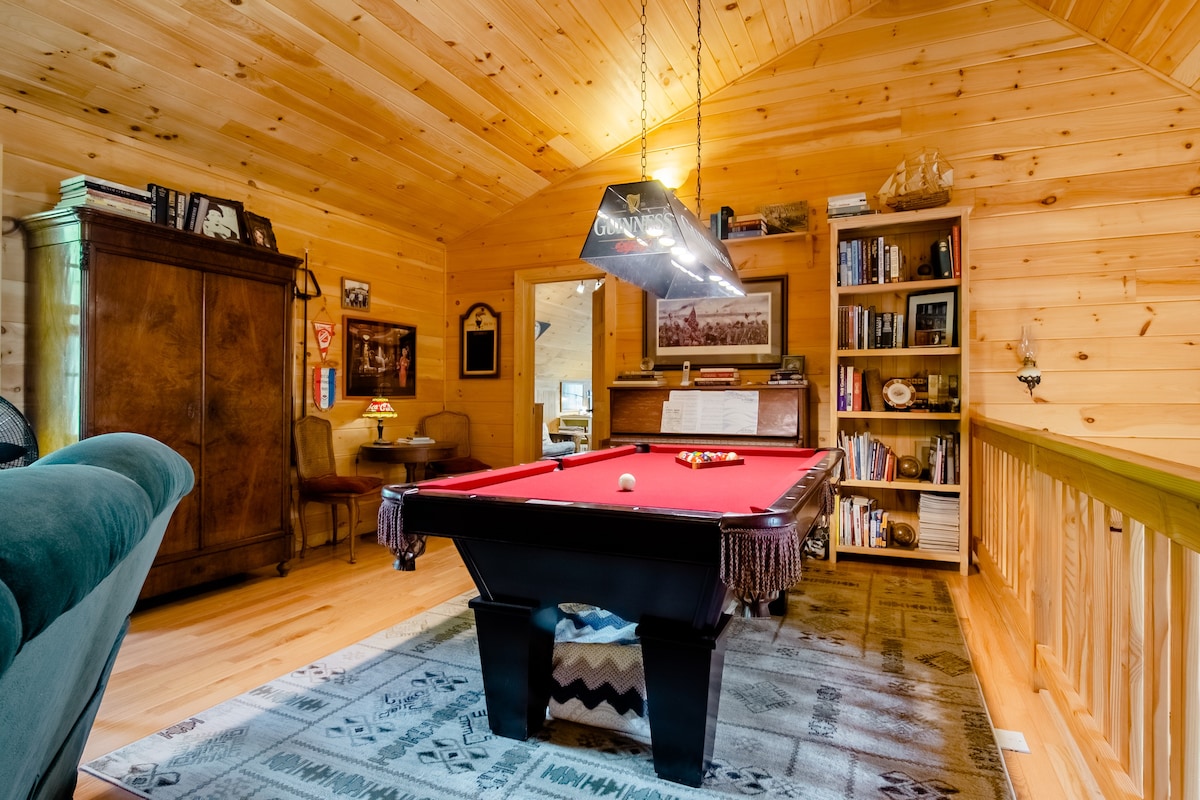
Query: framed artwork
<point x="930" y="319"/>
<point x="381" y="358"/>
<point x="259" y="232"/>
<point x="746" y="331"/>
<point x="218" y="218"/>
<point x="356" y="294"/>
<point x="480" y="356"/>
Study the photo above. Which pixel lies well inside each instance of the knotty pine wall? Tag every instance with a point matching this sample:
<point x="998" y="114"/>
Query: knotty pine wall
<point x="406" y="274"/>
<point x="1081" y="167"/>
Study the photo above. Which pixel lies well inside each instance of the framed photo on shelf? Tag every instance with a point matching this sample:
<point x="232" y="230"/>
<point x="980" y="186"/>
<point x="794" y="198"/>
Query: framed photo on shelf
<point x="748" y="331"/>
<point x="931" y="318"/>
<point x="259" y="232"/>
<point x="218" y="218"/>
<point x="480" y="343"/>
<point x="356" y="294"/>
<point x="381" y="358"/>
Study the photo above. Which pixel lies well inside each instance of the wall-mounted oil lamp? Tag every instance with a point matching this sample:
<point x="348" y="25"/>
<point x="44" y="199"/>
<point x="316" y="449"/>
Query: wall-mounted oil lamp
<point x="1028" y="374"/>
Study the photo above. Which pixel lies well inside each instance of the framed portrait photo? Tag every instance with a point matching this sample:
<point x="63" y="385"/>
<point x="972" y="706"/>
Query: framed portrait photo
<point x="258" y="231"/>
<point x="356" y="294"/>
<point x="381" y="358"/>
<point x="218" y="218"/>
<point x="746" y="331"/>
<point x="931" y="319"/>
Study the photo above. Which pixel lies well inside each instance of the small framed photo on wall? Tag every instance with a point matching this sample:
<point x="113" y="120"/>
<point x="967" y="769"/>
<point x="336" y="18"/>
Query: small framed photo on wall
<point x="356" y="294"/>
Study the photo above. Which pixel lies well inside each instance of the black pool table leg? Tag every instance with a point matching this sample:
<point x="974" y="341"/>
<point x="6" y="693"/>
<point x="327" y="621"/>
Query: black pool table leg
<point x="683" y="693"/>
<point x="516" y="653"/>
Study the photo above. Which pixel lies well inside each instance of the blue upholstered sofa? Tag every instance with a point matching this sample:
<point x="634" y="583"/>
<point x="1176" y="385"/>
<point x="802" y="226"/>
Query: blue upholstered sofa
<point x="79" y="529"/>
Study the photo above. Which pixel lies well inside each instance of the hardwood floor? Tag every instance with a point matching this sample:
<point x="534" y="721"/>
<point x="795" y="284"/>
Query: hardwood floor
<point x="195" y="651"/>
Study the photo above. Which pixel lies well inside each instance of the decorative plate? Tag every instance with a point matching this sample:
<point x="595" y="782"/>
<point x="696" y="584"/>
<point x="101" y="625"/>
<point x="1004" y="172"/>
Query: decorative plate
<point x="898" y="393"/>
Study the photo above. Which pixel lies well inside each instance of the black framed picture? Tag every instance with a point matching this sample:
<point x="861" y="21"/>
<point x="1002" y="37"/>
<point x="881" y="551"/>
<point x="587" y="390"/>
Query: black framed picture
<point x="480" y="342"/>
<point x="218" y="218"/>
<point x="719" y="331"/>
<point x="931" y="318"/>
<point x="381" y="358"/>
<point x="356" y="294"/>
<point x="258" y="231"/>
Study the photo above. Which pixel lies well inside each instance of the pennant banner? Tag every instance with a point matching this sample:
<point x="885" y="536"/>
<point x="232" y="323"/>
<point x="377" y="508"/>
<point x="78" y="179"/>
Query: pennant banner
<point x="324" y="334"/>
<point x="324" y="387"/>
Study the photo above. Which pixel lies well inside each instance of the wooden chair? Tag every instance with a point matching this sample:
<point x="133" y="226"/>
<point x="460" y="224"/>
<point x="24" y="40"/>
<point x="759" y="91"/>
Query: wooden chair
<point x="312" y="445"/>
<point x="451" y="426"/>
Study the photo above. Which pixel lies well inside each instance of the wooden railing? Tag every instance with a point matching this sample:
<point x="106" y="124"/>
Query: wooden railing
<point x="1093" y="554"/>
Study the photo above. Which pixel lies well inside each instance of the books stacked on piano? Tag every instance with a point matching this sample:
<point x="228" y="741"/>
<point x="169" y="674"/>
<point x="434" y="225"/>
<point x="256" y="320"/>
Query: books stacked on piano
<point x="717" y="376"/>
<point x="938" y="515"/>
<point x="84" y="190"/>
<point x="641" y="377"/>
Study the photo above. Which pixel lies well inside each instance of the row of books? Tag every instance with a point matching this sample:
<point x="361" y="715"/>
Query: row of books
<point x="861" y="523"/>
<point x="717" y="376"/>
<point x="858" y="389"/>
<point x="944" y="459"/>
<point x="864" y="328"/>
<point x="867" y="458"/>
<point x="874" y="260"/>
<point x="870" y="260"/>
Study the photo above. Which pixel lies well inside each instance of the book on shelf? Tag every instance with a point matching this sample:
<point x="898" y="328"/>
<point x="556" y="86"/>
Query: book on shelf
<point x="956" y="251"/>
<point x="939" y="258"/>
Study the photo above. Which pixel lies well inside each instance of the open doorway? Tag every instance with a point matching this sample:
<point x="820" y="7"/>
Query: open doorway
<point x="562" y="361"/>
<point x="586" y="313"/>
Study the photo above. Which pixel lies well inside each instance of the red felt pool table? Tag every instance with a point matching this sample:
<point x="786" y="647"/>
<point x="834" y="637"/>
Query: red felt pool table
<point x="669" y="555"/>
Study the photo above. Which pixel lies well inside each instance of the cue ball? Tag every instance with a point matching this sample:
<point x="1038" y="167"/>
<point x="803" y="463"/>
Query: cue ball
<point x="625" y="482"/>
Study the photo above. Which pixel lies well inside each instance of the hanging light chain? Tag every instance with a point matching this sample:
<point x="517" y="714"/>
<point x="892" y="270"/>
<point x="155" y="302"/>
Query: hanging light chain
<point x="643" y="90"/>
<point x="699" y="92"/>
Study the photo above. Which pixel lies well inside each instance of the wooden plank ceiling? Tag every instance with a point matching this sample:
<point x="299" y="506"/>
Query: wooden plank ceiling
<point x="436" y="115"/>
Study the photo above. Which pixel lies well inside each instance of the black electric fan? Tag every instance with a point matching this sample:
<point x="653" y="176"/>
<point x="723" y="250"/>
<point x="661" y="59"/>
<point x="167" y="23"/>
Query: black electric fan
<point x="18" y="445"/>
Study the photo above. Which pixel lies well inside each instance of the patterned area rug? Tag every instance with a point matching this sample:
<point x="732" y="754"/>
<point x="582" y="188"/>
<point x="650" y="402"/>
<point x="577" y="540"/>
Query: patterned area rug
<point x="863" y="690"/>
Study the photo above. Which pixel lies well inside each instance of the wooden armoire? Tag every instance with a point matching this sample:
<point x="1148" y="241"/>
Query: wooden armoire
<point x="141" y="327"/>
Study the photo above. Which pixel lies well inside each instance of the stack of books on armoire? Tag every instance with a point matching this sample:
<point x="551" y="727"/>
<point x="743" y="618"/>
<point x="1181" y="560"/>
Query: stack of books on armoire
<point x="84" y="190"/>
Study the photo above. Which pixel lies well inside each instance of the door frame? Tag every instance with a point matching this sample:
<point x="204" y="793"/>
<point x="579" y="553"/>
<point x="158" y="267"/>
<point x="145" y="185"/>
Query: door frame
<point x="604" y="331"/>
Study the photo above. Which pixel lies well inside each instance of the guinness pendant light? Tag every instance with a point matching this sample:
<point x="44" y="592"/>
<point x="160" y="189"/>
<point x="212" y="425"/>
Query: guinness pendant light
<point x="643" y="234"/>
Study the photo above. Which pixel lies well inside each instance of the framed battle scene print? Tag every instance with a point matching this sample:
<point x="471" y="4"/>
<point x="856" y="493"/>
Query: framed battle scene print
<point x="930" y="319"/>
<point x="381" y="358"/>
<point x="356" y="294"/>
<point x="480" y="343"/>
<point x="259" y="232"/>
<point x="746" y="331"/>
<point x="218" y="218"/>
